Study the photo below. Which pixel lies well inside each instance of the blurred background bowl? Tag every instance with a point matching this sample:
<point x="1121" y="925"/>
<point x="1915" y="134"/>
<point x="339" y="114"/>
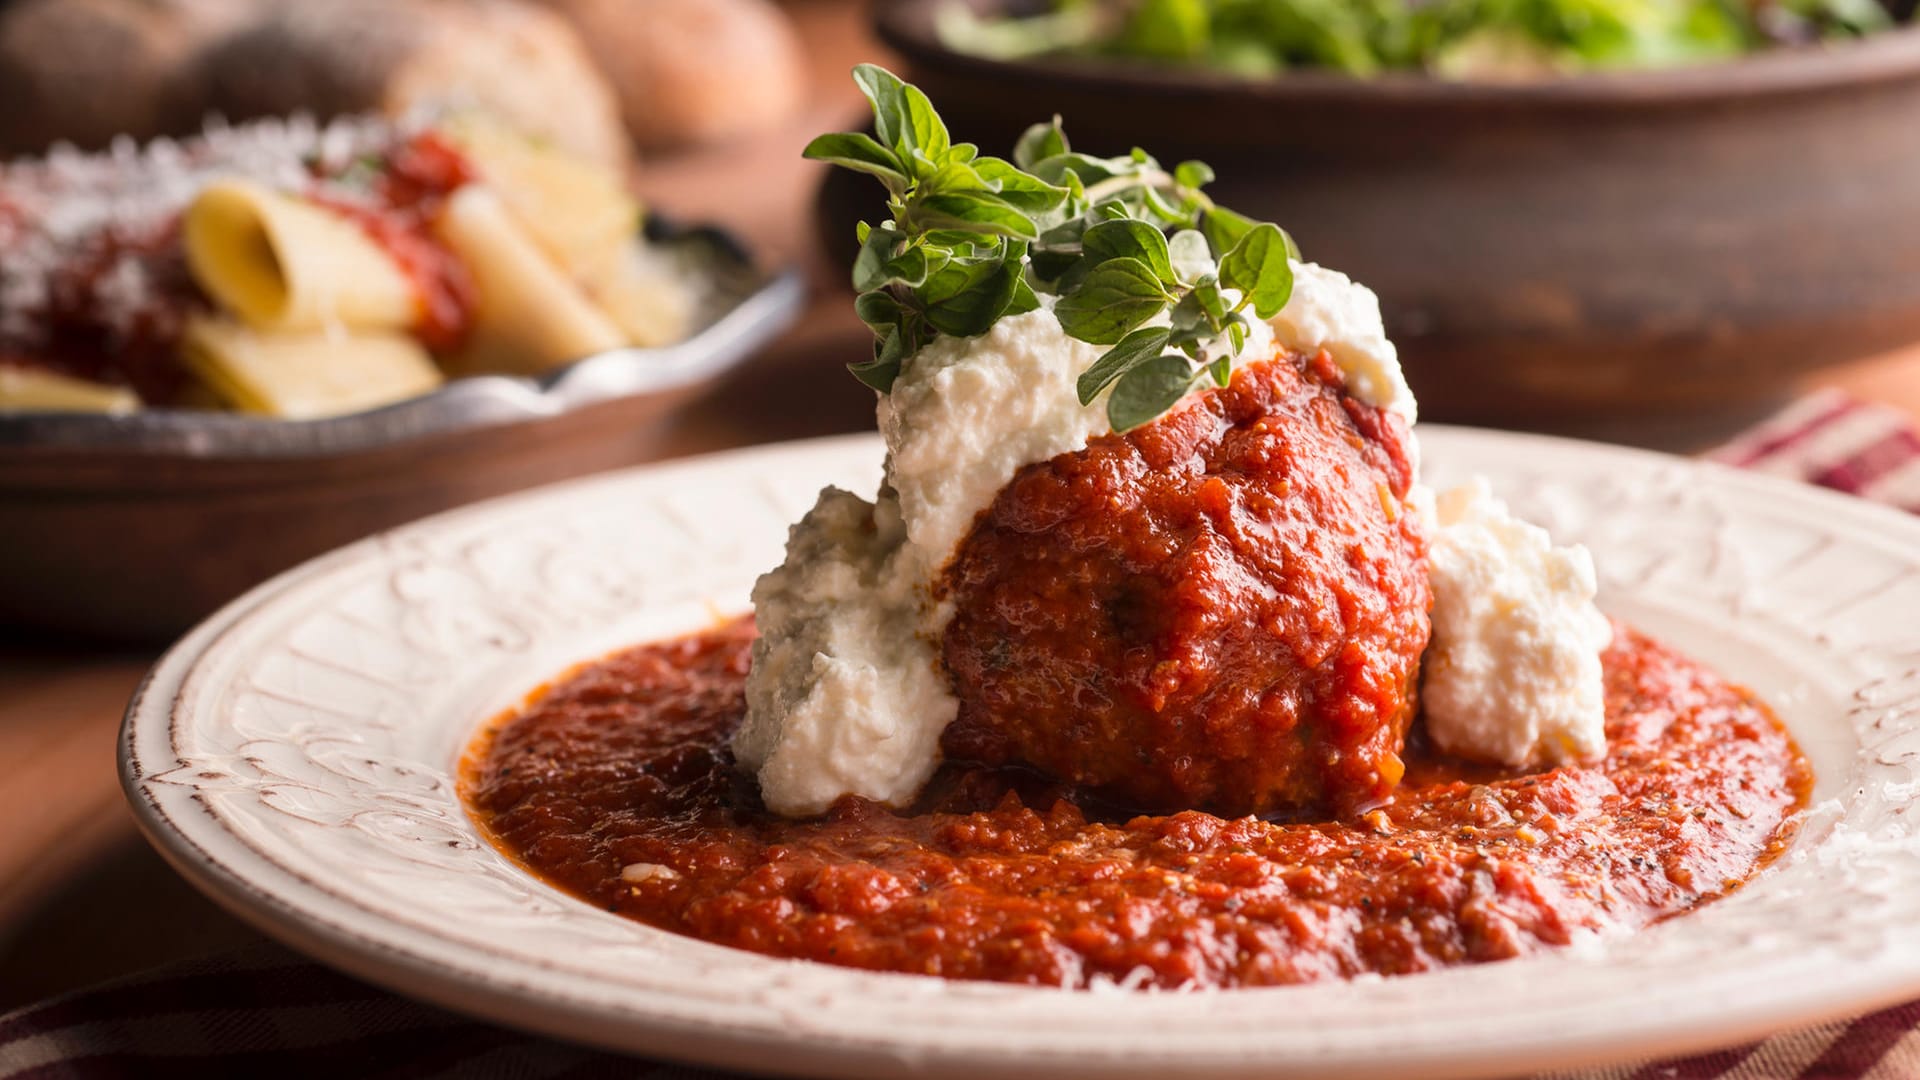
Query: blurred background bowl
<point x="133" y="527"/>
<point x="1672" y="242"/>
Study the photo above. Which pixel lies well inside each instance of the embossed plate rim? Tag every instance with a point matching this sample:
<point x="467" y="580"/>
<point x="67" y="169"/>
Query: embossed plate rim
<point x="751" y="1012"/>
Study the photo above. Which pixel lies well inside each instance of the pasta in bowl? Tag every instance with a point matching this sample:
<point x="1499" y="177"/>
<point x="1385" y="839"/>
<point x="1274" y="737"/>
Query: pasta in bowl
<point x="300" y="271"/>
<point x="254" y="346"/>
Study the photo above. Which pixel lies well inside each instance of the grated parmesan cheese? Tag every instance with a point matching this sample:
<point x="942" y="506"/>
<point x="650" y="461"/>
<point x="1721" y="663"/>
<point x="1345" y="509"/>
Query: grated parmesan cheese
<point x="81" y="229"/>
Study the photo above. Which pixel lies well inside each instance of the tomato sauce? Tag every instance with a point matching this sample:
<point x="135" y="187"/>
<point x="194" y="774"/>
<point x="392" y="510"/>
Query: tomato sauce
<point x="139" y="350"/>
<point x="414" y="181"/>
<point x="1236" y="595"/>
<point x="616" y="784"/>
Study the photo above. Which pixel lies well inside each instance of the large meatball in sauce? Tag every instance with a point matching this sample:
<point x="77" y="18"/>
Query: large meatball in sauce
<point x="1221" y="610"/>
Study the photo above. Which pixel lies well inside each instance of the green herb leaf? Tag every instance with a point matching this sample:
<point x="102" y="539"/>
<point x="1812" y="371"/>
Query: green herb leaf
<point x="929" y="132"/>
<point x="967" y="297"/>
<point x="1024" y="298"/>
<point x="1222" y="371"/>
<point x="1169" y="213"/>
<point x="877" y="264"/>
<point x="1028" y="193"/>
<point x="972" y="212"/>
<point x="1129" y="238"/>
<point x="858" y="151"/>
<point x="1223" y="229"/>
<point x="972" y="239"/>
<point x="1040" y="142"/>
<point x="1148" y="390"/>
<point x="888" y="354"/>
<point x="952" y="175"/>
<point x="1062" y="239"/>
<point x="1258" y="267"/>
<point x="1236" y="334"/>
<point x="1187" y="251"/>
<point x="889" y="97"/>
<point x="960" y="245"/>
<point x="876" y="373"/>
<point x="1051" y="265"/>
<point x="1116" y="297"/>
<point x="1190" y="327"/>
<point x="878" y="309"/>
<point x="904" y="119"/>
<point x="1207" y="295"/>
<point x="1193" y="174"/>
<point x="1088" y="170"/>
<point x="1136" y="348"/>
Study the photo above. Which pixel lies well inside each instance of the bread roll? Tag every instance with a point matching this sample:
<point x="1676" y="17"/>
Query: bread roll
<point x="515" y="61"/>
<point x="84" y="71"/>
<point x="693" y="71"/>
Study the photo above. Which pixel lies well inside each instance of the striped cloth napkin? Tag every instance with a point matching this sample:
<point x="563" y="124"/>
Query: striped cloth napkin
<point x="1836" y="441"/>
<point x="267" y="1012"/>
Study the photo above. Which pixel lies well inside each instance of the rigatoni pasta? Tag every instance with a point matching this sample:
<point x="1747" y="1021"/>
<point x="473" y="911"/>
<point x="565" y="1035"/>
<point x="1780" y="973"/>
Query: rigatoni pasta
<point x="530" y="315"/>
<point x="294" y="271"/>
<point x="581" y="216"/>
<point x="302" y="375"/>
<point x="27" y="389"/>
<point x="637" y="293"/>
<point x="279" y="262"/>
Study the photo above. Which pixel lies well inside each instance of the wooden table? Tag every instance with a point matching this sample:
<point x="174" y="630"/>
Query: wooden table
<point x="82" y="898"/>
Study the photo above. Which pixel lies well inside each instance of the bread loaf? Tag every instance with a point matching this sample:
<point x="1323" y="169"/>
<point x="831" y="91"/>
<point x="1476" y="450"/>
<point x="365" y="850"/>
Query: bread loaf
<point x="694" y="71"/>
<point x="85" y="71"/>
<point x="519" y="62"/>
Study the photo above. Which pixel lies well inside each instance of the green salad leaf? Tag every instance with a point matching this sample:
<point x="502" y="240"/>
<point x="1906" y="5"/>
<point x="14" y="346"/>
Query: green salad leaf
<point x="1468" y="39"/>
<point x="1134" y="257"/>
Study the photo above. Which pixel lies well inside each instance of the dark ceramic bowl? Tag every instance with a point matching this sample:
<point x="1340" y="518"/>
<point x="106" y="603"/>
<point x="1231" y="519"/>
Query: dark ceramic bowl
<point x="134" y="527"/>
<point x="1680" y="240"/>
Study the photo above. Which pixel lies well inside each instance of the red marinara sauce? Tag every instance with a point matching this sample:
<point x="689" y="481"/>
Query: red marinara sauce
<point x="142" y="351"/>
<point x="617" y="785"/>
<point x="1222" y="610"/>
<point x="415" y="180"/>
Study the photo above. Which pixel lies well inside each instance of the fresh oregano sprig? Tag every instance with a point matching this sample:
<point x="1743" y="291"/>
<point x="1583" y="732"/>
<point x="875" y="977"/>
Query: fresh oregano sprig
<point x="1139" y="258"/>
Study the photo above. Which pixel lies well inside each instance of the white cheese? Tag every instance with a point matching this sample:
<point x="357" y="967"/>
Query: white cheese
<point x="967" y="413"/>
<point x="642" y="872"/>
<point x="846" y="694"/>
<point x="1328" y="310"/>
<point x="1513" y="672"/>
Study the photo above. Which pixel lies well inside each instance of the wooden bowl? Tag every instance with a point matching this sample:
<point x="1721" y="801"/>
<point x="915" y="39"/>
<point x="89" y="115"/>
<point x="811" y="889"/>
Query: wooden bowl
<point x="133" y="528"/>
<point x="1681" y="240"/>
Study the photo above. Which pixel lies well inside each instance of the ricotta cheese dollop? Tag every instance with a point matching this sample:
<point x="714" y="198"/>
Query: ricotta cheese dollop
<point x="846" y="695"/>
<point x="1329" y="310"/>
<point x="1513" y="673"/>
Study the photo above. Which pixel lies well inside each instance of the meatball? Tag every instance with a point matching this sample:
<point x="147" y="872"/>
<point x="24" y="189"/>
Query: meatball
<point x="1222" y="610"/>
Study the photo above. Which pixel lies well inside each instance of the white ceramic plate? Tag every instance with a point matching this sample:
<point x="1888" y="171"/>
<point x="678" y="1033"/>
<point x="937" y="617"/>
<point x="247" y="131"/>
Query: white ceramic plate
<point x="293" y="758"/>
